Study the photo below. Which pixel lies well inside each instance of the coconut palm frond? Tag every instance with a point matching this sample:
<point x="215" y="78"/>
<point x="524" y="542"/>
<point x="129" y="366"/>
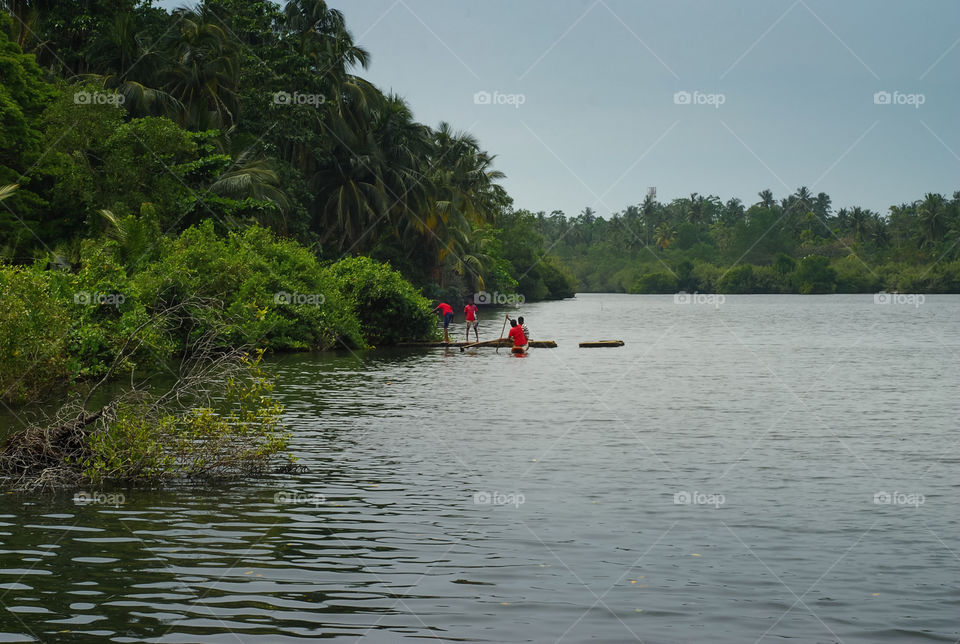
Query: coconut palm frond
<point x="8" y="190"/>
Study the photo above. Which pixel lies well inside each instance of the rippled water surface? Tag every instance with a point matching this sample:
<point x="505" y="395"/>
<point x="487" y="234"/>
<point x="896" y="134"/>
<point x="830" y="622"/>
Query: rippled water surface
<point x="768" y="469"/>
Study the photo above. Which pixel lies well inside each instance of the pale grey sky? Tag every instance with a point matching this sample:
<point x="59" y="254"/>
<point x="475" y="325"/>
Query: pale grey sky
<point x="598" y="81"/>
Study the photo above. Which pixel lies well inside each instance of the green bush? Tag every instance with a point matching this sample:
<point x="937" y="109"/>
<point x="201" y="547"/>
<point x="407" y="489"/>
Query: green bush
<point x="275" y="293"/>
<point x="34" y="329"/>
<point x="662" y="282"/>
<point x="243" y="289"/>
<point x="814" y="275"/>
<point x="853" y="276"/>
<point x="389" y="308"/>
<point x="558" y="279"/>
<point x="739" y="279"/>
<point x="706" y="277"/>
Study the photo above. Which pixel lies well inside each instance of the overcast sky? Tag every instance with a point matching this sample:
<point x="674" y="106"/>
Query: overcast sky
<point x="584" y="107"/>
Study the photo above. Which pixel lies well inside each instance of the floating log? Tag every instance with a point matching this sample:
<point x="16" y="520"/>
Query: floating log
<point x="602" y="343"/>
<point x="506" y="342"/>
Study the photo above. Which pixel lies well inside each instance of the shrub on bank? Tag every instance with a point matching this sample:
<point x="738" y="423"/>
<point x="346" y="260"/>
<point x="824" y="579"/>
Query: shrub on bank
<point x="389" y="308"/>
<point x="243" y="289"/>
<point x="275" y="293"/>
<point x="661" y="282"/>
<point x="34" y="326"/>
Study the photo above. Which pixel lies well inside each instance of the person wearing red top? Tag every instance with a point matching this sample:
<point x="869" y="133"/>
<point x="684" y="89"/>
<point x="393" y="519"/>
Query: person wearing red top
<point x="446" y="311"/>
<point x="471" y="310"/>
<point x="516" y="334"/>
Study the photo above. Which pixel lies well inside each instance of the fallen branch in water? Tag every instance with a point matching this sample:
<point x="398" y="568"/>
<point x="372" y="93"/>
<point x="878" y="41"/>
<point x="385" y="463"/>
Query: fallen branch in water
<point x="216" y="420"/>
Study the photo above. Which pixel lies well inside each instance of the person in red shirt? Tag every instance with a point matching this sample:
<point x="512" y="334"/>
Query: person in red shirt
<point x="446" y="311"/>
<point x="516" y="334"/>
<point x="471" y="311"/>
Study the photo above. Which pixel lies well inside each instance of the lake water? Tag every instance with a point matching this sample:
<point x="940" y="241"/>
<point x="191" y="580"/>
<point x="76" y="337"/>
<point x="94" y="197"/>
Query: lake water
<point x="761" y="469"/>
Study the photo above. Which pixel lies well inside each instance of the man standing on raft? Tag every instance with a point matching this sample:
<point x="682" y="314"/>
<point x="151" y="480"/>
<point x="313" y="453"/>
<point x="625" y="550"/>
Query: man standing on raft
<point x="446" y="312"/>
<point x="471" y="311"/>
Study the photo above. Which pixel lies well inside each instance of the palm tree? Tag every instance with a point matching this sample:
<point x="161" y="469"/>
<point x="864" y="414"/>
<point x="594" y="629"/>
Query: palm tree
<point x="932" y="212"/>
<point x="321" y="34"/>
<point x="802" y="201"/>
<point x="878" y="230"/>
<point x="842" y="221"/>
<point x="663" y="235"/>
<point x="733" y="211"/>
<point x="250" y="178"/>
<point x="202" y="70"/>
<point x="821" y="206"/>
<point x="695" y="209"/>
<point x="766" y="199"/>
<point x="858" y="221"/>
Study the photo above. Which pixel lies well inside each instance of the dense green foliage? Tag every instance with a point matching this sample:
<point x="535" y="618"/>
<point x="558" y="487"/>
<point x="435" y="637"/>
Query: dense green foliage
<point x="388" y="308"/>
<point x="240" y="112"/>
<point x="226" y="160"/>
<point x="34" y="325"/>
<point x="798" y="244"/>
<point x="177" y="185"/>
<point x="245" y="289"/>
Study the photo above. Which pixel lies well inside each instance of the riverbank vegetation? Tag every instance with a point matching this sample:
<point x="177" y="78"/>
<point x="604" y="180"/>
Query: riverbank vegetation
<point x="216" y="421"/>
<point x="228" y="153"/>
<point x="798" y="244"/>
<point x="179" y="189"/>
<point x="241" y="113"/>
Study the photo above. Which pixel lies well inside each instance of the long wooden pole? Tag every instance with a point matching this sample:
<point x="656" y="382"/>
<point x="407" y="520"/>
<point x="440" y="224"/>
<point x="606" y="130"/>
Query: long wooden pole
<point x="505" y="318"/>
<point x="485" y="343"/>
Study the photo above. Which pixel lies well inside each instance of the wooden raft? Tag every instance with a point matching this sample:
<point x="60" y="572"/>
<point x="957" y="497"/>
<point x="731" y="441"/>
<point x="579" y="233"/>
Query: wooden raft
<point x="601" y="343"/>
<point x="505" y="342"/>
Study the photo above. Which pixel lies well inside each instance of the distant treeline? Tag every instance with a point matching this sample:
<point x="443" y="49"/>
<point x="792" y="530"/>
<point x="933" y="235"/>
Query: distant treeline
<point x="797" y="244"/>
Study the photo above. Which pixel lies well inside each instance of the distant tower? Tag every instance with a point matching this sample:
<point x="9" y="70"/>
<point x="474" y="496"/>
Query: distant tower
<point x="652" y="192"/>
